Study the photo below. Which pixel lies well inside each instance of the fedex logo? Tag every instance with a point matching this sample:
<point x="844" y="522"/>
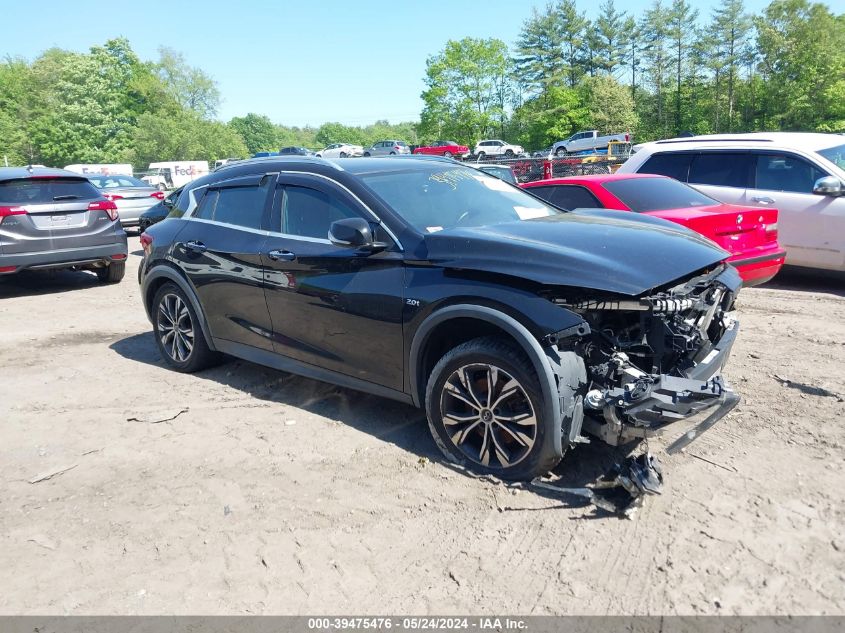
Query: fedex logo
<point x="185" y="171"/>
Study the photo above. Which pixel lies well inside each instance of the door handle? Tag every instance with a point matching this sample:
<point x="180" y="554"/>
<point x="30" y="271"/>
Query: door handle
<point x="763" y="199"/>
<point x="276" y="255"/>
<point x="195" y="247"/>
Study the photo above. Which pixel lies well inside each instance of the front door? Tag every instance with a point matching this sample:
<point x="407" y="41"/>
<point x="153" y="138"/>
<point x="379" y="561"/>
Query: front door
<point x="810" y="226"/>
<point x="220" y="251"/>
<point x="331" y="306"/>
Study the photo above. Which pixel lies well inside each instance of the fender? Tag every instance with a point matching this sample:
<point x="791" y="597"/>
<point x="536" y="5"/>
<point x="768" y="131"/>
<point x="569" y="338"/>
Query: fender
<point x="514" y="328"/>
<point x="163" y="270"/>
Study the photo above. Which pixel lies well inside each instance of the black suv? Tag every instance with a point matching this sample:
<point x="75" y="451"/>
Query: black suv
<point x="517" y="326"/>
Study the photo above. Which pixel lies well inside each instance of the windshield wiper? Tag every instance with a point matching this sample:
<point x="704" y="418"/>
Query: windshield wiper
<point x="69" y="196"/>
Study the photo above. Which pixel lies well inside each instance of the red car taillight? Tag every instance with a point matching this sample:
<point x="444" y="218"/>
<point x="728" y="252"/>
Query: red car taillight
<point x="146" y="243"/>
<point x="105" y="205"/>
<point x="7" y="211"/>
<point x="772" y="231"/>
<point x="112" y="196"/>
<point x="157" y="194"/>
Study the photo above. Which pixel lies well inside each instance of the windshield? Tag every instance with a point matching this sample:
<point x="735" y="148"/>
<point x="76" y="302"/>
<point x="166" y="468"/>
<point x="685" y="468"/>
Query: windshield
<point x="656" y="194"/>
<point x="437" y="197"/>
<point x="835" y="155"/>
<point x="109" y="182"/>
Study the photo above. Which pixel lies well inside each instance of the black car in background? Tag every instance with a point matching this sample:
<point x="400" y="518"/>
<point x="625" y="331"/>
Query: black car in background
<point x="52" y="219"/>
<point x="160" y="211"/>
<point x="516" y="326"/>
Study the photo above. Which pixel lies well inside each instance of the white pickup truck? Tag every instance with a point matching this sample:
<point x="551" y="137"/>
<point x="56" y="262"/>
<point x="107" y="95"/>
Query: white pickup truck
<point x="586" y="141"/>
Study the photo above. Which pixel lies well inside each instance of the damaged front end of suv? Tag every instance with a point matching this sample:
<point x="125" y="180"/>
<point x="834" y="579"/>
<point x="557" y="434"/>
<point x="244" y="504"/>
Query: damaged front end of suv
<point x="653" y="359"/>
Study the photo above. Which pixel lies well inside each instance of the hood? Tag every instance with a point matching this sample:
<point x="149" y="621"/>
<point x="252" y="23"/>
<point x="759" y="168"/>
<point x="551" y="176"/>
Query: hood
<point x="601" y="252"/>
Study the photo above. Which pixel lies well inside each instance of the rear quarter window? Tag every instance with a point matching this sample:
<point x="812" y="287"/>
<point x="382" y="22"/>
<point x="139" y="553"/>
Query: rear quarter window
<point x="665" y="164"/>
<point x="722" y="169"/>
<point x="46" y="190"/>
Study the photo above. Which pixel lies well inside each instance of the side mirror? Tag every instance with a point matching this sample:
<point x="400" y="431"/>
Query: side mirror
<point x="355" y="233"/>
<point x="828" y="186"/>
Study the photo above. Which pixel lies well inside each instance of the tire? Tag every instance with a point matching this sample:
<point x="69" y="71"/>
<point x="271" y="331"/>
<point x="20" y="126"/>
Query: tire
<point x="112" y="273"/>
<point x="186" y="351"/>
<point x="366" y="154"/>
<point x="447" y="154"/>
<point x="560" y="151"/>
<point x="474" y="435"/>
<point x="343" y="154"/>
<point x="481" y="155"/>
<point x="509" y="153"/>
<point x="393" y="153"/>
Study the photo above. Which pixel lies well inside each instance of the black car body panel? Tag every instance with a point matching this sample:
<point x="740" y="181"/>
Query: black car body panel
<point x="646" y="304"/>
<point x="600" y="253"/>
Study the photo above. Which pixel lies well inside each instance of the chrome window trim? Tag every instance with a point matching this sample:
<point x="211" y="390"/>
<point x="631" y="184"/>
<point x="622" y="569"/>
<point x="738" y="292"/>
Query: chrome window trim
<point x="237" y="227"/>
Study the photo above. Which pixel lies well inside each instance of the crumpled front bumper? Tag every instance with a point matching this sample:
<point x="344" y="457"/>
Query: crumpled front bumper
<point x="646" y="407"/>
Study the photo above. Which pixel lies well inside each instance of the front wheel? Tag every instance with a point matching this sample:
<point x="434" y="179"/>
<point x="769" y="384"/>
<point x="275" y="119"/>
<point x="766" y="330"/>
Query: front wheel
<point x="561" y="151"/>
<point x="178" y="335"/>
<point x="343" y="154"/>
<point x="366" y="154"/>
<point x="509" y="153"/>
<point x="486" y="411"/>
<point x="447" y="154"/>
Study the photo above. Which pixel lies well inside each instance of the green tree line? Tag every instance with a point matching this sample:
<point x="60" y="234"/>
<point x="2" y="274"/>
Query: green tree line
<point x="108" y="105"/>
<point x="663" y="73"/>
<point x="667" y="71"/>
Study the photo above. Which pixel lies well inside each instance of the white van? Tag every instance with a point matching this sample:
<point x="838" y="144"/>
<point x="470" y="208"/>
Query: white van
<point x="173" y="174"/>
<point x="106" y="169"/>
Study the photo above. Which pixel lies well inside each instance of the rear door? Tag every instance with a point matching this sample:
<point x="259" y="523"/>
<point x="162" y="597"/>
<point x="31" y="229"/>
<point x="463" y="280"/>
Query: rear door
<point x="49" y="214"/>
<point x="220" y="251"/>
<point x="810" y="226"/>
<point x="331" y="306"/>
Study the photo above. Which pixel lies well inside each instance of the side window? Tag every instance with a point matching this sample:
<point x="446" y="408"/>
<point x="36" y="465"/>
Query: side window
<point x="665" y="164"/>
<point x="542" y="192"/>
<point x="205" y="205"/>
<point x="309" y="213"/>
<point x="724" y="169"/>
<point x="784" y="172"/>
<point x="241" y="206"/>
<point x="572" y="197"/>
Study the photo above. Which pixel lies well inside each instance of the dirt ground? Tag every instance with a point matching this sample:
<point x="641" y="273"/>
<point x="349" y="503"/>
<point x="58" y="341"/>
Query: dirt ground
<point x="273" y="494"/>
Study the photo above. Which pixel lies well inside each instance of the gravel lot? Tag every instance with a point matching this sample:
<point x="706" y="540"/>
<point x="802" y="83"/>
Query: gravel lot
<point x="276" y="494"/>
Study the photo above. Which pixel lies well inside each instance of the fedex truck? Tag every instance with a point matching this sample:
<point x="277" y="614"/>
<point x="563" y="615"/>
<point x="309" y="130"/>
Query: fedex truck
<point x="106" y="169"/>
<point x="173" y="174"/>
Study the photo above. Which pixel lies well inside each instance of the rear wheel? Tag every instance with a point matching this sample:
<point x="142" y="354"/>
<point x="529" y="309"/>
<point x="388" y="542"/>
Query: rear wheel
<point x="447" y="154"/>
<point x="485" y="411"/>
<point x="177" y="332"/>
<point x="481" y="155"/>
<point x="366" y="154"/>
<point x="343" y="154"/>
<point x="112" y="273"/>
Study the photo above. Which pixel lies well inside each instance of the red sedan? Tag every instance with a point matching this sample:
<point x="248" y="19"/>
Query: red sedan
<point x="749" y="234"/>
<point x="443" y="148"/>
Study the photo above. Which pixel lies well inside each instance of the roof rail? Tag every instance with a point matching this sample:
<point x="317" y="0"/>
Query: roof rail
<point x="288" y="159"/>
<point x="706" y="139"/>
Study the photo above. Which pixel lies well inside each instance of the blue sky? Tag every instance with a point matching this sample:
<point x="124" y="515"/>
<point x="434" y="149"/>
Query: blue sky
<point x="297" y="62"/>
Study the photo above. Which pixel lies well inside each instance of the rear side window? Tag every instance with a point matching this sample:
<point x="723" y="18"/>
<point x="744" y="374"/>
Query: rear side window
<point x="784" y="172"/>
<point x="239" y="206"/>
<point x="723" y="169"/>
<point x="568" y="196"/>
<point x="309" y="213"/>
<point x="664" y="164"/>
<point x="46" y="190"/>
<point x="656" y="194"/>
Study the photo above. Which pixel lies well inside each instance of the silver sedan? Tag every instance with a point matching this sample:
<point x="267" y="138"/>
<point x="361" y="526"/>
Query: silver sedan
<point x="131" y="195"/>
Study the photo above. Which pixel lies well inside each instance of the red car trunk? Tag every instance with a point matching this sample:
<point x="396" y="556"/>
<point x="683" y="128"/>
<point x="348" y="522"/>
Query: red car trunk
<point x="748" y="234"/>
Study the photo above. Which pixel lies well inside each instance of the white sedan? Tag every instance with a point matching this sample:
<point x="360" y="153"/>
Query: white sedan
<point x="341" y="150"/>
